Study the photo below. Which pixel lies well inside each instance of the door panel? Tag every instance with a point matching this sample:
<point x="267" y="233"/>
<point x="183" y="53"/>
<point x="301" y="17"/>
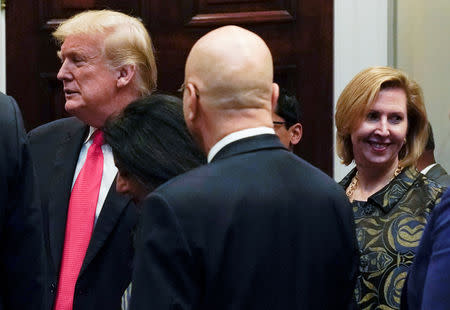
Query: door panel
<point x="298" y="32"/>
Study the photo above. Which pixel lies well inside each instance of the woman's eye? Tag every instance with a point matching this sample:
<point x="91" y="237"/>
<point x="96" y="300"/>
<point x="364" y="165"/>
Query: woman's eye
<point x="372" y="116"/>
<point x="396" y="119"/>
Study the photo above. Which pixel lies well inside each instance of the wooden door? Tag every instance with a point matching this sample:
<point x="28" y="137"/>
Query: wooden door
<point x="298" y="32"/>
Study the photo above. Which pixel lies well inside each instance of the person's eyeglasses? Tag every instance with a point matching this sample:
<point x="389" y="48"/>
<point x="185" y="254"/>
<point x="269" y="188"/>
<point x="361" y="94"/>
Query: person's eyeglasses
<point x="278" y="123"/>
<point x="183" y="87"/>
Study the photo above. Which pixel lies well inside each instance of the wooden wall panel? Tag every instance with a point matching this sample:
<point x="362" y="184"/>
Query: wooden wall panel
<point x="298" y="32"/>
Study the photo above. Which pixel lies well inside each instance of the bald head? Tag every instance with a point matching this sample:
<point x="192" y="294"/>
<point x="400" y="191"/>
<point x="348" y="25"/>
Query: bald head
<point x="232" y="69"/>
<point x="229" y="85"/>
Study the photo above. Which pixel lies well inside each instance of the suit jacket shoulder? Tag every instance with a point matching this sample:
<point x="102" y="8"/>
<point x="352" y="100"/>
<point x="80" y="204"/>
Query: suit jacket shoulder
<point x="10" y="136"/>
<point x="55" y="148"/>
<point x="52" y="132"/>
<point x="258" y="158"/>
<point x="20" y="216"/>
<point x="439" y="174"/>
<point x="243" y="233"/>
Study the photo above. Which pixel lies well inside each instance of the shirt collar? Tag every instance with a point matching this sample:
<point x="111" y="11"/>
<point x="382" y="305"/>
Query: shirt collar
<point x="91" y="132"/>
<point x="387" y="197"/>
<point x="237" y="135"/>
<point x="427" y="168"/>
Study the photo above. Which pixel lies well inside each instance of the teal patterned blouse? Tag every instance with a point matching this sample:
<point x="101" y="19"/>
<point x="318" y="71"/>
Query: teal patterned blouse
<point x="389" y="226"/>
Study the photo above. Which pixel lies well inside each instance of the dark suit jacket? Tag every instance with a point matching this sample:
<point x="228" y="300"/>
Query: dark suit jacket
<point x="439" y="174"/>
<point x="428" y="282"/>
<point x="106" y="270"/>
<point x="258" y="228"/>
<point x="21" y="237"/>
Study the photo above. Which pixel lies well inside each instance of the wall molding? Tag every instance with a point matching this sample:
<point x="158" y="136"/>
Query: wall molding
<point x="236" y="18"/>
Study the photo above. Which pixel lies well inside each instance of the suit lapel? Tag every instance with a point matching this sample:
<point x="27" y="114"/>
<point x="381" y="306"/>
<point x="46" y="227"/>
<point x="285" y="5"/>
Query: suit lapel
<point x="250" y="144"/>
<point x="66" y="158"/>
<point x="112" y="209"/>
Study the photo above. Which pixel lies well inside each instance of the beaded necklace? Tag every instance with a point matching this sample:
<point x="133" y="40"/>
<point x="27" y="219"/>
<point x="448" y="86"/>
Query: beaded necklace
<point x="354" y="183"/>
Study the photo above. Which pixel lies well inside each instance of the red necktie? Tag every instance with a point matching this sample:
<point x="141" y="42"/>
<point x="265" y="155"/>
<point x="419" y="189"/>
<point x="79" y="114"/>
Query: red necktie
<point x="80" y="222"/>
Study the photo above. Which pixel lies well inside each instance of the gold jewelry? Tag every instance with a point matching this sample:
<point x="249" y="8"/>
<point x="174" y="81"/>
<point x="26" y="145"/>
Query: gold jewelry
<point x="351" y="187"/>
<point x="354" y="183"/>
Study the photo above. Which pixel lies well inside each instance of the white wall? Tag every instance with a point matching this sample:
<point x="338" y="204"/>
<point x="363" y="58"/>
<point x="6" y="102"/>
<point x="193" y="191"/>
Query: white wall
<point x="423" y="49"/>
<point x="364" y="34"/>
<point x="2" y="52"/>
<point x="361" y="35"/>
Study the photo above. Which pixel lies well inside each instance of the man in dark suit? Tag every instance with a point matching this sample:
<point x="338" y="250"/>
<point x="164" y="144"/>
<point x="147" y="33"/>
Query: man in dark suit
<point x="427" y="165"/>
<point x="107" y="61"/>
<point x="21" y="237"/>
<point x="255" y="228"/>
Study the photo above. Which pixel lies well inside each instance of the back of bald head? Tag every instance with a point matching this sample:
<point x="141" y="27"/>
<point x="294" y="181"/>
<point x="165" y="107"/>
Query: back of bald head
<point x="232" y="69"/>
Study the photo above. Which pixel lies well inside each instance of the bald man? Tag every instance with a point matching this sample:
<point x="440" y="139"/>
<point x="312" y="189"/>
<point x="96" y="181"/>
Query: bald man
<point x="255" y="228"/>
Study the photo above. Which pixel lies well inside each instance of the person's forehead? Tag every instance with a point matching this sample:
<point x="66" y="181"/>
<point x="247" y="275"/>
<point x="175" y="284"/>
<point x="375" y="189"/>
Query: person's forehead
<point x="82" y="43"/>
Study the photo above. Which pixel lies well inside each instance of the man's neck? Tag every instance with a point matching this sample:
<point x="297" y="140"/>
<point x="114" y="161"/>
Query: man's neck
<point x="217" y="124"/>
<point x="426" y="159"/>
<point x="237" y="135"/>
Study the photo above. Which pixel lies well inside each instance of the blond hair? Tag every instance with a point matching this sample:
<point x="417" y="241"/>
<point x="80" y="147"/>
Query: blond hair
<point x="357" y="98"/>
<point x="126" y="42"/>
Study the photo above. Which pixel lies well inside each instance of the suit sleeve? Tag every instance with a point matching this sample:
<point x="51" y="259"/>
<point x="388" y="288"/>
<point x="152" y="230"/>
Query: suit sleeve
<point x="164" y="276"/>
<point x="350" y="264"/>
<point x="436" y="294"/>
<point x="21" y="252"/>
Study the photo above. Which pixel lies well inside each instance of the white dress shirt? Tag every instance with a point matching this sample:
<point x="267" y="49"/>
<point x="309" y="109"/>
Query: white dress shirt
<point x="109" y="170"/>
<point x="237" y="135"/>
<point x="427" y="168"/>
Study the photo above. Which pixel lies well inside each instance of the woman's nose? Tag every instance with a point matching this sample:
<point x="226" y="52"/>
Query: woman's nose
<point x="382" y="127"/>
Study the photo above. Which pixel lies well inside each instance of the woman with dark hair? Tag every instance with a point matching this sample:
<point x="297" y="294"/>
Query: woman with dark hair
<point x="382" y="125"/>
<point x="151" y="145"/>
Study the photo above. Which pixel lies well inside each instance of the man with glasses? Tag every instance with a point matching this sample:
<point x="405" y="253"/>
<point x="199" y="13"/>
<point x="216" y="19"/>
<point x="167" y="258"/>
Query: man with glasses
<point x="427" y="164"/>
<point x="287" y="120"/>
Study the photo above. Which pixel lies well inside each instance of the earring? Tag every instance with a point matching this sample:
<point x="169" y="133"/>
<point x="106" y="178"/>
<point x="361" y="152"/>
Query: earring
<point x="404" y="140"/>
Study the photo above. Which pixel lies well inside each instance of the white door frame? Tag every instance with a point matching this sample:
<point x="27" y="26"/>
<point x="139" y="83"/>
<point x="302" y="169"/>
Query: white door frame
<point x="363" y="37"/>
<point x="2" y="51"/>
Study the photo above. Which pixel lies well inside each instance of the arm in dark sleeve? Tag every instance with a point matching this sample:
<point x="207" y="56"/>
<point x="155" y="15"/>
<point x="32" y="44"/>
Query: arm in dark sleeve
<point x="164" y="276"/>
<point x="21" y="231"/>
<point x="436" y="294"/>
<point x="348" y="227"/>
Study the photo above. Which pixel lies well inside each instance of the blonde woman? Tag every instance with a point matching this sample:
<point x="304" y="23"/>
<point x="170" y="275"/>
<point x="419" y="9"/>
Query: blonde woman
<point x="382" y="126"/>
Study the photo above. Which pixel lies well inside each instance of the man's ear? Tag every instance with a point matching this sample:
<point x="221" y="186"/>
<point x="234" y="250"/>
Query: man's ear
<point x="275" y="93"/>
<point x="125" y="74"/>
<point x="296" y="133"/>
<point x="190" y="102"/>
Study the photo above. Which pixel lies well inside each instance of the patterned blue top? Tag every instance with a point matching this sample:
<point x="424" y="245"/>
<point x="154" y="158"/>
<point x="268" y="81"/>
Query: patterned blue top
<point x="389" y="226"/>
